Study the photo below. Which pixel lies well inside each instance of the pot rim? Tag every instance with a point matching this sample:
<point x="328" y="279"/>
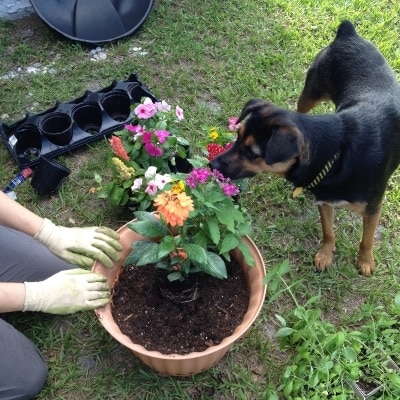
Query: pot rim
<point x="255" y="304"/>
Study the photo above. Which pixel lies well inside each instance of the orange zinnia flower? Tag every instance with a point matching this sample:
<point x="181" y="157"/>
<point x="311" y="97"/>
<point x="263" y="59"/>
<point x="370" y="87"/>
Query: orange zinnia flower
<point x="118" y="147"/>
<point x="174" y="207"/>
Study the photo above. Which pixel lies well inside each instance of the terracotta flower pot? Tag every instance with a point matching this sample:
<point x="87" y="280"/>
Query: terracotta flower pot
<point x="195" y="362"/>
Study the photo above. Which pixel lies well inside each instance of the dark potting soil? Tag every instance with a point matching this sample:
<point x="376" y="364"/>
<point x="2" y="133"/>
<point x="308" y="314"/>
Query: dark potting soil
<point x="157" y="323"/>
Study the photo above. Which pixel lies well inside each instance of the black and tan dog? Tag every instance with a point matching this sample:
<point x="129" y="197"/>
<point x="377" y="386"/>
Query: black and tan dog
<point x="344" y="159"/>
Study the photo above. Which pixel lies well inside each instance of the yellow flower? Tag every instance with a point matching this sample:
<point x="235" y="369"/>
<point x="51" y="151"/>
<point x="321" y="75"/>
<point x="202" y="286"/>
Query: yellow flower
<point x="178" y="187"/>
<point x="213" y="134"/>
<point x="124" y="172"/>
<point x="174" y="207"/>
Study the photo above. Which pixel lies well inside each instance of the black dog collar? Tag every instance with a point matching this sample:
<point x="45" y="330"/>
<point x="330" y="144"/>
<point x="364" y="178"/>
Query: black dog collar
<point x="328" y="166"/>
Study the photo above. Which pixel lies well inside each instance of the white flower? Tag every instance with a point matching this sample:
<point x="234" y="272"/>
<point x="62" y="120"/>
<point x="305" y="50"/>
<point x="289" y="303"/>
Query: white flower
<point x="162" y="180"/>
<point x="137" y="183"/>
<point x="150" y="172"/>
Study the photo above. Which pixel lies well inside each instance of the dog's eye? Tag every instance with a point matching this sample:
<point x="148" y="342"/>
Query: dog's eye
<point x="249" y="153"/>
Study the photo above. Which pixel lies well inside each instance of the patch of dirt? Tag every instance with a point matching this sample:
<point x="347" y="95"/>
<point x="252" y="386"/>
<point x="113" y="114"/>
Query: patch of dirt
<point x="157" y="323"/>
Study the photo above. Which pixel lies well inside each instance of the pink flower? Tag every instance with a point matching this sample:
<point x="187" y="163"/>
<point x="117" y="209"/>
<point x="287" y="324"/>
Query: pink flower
<point x="146" y="110"/>
<point x="179" y="113"/>
<point x="233" y="125"/>
<point x="152" y="150"/>
<point x="151" y="188"/>
<point x="161" y="135"/>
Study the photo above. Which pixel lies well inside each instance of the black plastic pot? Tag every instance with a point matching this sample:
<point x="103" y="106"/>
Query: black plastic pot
<point x="48" y="176"/>
<point x="93" y="21"/>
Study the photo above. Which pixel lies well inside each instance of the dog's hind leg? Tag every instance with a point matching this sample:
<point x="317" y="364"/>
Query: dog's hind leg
<point x="324" y="257"/>
<point x="366" y="263"/>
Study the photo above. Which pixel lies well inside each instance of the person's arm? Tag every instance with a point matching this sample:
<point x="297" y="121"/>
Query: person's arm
<point x="14" y="215"/>
<point x="12" y="297"/>
<point x="65" y="292"/>
<point x="79" y="246"/>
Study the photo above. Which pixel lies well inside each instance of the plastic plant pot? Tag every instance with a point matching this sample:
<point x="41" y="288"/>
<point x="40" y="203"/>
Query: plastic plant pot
<point x="57" y="127"/>
<point x="48" y="176"/>
<point x="28" y="142"/>
<point x="88" y="117"/>
<point x="117" y="105"/>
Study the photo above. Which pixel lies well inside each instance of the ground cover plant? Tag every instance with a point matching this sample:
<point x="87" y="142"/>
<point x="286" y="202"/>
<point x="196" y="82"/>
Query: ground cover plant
<point x="209" y="57"/>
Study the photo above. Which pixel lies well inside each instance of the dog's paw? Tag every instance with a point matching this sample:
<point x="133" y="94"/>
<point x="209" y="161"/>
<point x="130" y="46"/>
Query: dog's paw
<point x="323" y="259"/>
<point x="365" y="265"/>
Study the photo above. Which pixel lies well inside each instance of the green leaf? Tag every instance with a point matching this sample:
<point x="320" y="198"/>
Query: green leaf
<point x="248" y="256"/>
<point x="167" y="244"/>
<point x="196" y="253"/>
<point x="213" y="228"/>
<point x="148" y="225"/>
<point x="350" y="354"/>
<point x="229" y="242"/>
<point x="284" y="331"/>
<point x="117" y="195"/>
<point x="143" y="252"/>
<point x="215" y="266"/>
<point x="281" y="320"/>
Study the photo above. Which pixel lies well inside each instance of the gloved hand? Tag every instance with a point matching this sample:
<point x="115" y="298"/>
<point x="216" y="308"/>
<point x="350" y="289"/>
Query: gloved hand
<point x="67" y="292"/>
<point x="80" y="246"/>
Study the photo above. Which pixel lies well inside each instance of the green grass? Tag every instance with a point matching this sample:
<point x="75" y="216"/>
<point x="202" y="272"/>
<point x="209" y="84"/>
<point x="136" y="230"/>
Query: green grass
<point x="209" y="57"/>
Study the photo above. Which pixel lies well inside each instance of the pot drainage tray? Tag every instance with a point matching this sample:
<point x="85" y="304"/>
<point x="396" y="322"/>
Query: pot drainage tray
<point x="68" y="126"/>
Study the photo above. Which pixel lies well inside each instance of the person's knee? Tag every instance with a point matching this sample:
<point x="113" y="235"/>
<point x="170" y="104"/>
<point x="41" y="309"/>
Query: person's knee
<point x="23" y="370"/>
<point x="33" y="384"/>
<point x="25" y="386"/>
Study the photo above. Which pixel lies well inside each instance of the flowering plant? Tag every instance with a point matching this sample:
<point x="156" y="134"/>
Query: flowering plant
<point x="218" y="140"/>
<point x="144" y="153"/>
<point x="196" y="226"/>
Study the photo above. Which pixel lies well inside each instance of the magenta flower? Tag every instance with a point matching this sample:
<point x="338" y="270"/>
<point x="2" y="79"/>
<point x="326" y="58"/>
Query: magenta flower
<point x="161" y="135"/>
<point x="152" y="150"/>
<point x="198" y="175"/>
<point x="179" y="113"/>
<point x="147" y="136"/>
<point x="218" y="176"/>
<point x="230" y="189"/>
<point x="134" y="128"/>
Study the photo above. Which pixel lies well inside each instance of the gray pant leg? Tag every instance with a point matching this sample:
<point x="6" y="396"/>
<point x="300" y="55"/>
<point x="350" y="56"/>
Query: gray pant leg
<point x="23" y="371"/>
<point x="25" y="259"/>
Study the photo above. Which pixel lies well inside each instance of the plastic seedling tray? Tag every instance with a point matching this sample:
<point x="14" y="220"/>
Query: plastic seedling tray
<point x="67" y="126"/>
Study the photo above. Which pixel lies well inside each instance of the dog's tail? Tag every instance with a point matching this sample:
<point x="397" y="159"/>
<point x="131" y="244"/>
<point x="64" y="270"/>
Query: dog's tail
<point x="346" y="28"/>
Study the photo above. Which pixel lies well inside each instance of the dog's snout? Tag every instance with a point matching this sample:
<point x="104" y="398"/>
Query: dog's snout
<point x="216" y="163"/>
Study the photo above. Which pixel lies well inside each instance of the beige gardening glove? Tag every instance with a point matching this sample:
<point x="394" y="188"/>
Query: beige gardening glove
<point x="80" y="246"/>
<point x="67" y="292"/>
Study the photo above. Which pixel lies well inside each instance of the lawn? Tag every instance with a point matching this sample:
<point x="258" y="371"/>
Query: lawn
<point x="209" y="57"/>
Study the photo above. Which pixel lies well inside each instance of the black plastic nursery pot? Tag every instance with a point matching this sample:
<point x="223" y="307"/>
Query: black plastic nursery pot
<point x="93" y="21"/>
<point x="67" y="126"/>
<point x="48" y="176"/>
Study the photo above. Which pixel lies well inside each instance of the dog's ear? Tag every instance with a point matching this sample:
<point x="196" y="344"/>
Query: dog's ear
<point x="252" y="105"/>
<point x="282" y="146"/>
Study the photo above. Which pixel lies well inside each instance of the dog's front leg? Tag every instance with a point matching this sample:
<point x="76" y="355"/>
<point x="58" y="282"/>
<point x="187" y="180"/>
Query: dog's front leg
<point x="324" y="257"/>
<point x="366" y="263"/>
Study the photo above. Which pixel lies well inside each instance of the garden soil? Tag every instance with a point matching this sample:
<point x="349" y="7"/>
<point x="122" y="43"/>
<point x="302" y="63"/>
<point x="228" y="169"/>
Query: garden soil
<point x="157" y="323"/>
